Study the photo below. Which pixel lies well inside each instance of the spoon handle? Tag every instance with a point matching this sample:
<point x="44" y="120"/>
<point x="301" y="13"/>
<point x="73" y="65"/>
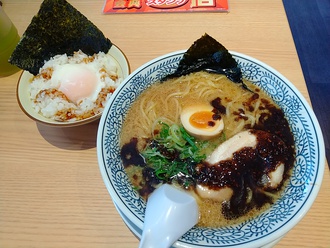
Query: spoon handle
<point x="170" y="213"/>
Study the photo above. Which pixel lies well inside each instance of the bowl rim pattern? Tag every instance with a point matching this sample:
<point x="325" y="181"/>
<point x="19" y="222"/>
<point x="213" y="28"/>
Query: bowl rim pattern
<point x="308" y="166"/>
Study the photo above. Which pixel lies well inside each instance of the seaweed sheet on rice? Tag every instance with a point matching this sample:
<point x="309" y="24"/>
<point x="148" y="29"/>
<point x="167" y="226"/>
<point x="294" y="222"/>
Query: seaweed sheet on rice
<point x="57" y="28"/>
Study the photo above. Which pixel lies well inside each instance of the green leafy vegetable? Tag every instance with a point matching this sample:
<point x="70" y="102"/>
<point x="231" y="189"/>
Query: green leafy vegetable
<point x="174" y="152"/>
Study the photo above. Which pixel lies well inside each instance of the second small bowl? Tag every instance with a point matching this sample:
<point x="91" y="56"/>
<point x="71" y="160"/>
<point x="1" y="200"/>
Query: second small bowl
<point x="25" y="102"/>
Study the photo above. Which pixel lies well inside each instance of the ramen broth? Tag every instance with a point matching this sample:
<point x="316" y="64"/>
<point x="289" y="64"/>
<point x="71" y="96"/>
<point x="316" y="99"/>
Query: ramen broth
<point x="241" y="109"/>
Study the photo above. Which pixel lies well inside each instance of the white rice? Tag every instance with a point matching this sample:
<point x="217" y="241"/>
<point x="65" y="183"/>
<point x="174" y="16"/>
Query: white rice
<point x="52" y="103"/>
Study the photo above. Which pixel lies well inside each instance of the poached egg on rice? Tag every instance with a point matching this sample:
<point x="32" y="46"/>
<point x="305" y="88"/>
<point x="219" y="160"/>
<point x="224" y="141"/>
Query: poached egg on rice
<point x="70" y="88"/>
<point x="78" y="81"/>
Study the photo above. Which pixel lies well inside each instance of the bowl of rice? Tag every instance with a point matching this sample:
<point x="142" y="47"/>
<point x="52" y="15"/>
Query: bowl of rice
<point x="72" y="90"/>
<point x="266" y="228"/>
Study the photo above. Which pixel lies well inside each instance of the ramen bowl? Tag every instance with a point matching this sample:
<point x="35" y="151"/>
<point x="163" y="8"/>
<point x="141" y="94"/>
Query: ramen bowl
<point x="268" y="227"/>
<point x="26" y="105"/>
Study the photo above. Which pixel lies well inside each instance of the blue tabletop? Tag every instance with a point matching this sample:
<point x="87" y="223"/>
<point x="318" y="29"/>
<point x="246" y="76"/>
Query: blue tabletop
<point x="310" y="26"/>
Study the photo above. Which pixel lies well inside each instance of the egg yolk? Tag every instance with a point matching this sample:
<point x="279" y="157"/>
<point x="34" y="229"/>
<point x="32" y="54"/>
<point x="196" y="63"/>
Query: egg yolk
<point x="77" y="81"/>
<point x="202" y="119"/>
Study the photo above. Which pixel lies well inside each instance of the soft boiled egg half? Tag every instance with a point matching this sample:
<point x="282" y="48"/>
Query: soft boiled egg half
<point x="201" y="122"/>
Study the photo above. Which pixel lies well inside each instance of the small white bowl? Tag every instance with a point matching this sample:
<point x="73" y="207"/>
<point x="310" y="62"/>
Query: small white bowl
<point x="268" y="227"/>
<point x="25" y="102"/>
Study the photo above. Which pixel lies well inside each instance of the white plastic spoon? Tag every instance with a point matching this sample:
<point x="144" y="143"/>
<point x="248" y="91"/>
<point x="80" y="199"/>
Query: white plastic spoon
<point x="170" y="213"/>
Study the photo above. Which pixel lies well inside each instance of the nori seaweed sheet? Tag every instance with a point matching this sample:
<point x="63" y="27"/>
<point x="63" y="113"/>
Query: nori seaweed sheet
<point x="58" y="28"/>
<point x="208" y="54"/>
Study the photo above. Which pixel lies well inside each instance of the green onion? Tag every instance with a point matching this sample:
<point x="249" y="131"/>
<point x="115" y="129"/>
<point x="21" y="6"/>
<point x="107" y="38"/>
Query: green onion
<point x="173" y="151"/>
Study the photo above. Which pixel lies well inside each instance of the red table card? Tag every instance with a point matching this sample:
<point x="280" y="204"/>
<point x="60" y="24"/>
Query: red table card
<point x="151" y="6"/>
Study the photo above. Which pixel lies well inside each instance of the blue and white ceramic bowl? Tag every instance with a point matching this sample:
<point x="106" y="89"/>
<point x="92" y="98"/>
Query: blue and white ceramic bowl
<point x="261" y="231"/>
